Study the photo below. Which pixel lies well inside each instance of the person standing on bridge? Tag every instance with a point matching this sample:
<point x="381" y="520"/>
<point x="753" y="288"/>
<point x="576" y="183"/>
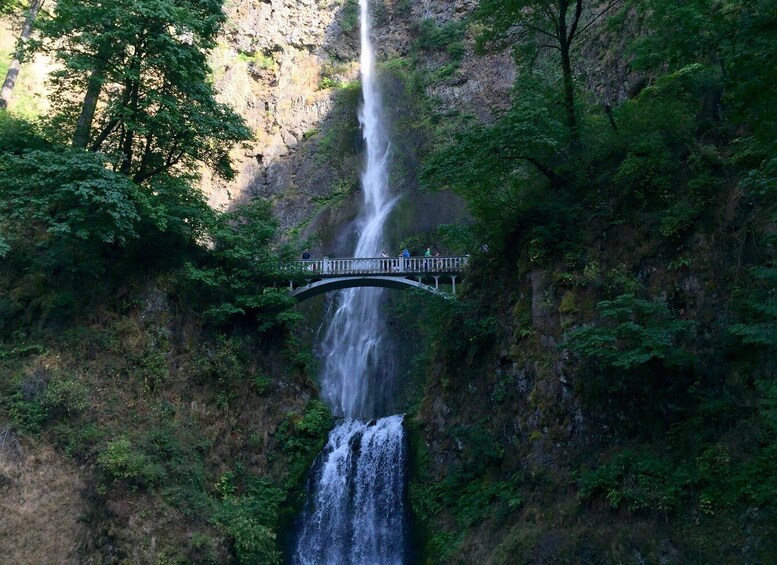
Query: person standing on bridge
<point x="427" y="255"/>
<point x="306" y="257"/>
<point x="384" y="263"/>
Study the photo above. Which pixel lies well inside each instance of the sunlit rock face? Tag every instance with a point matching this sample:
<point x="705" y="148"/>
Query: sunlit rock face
<point x="283" y="64"/>
<point x="270" y="66"/>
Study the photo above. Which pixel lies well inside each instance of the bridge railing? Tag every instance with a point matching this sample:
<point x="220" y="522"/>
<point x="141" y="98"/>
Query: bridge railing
<point x="382" y="266"/>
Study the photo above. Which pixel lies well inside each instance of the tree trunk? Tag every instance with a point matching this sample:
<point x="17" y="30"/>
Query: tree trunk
<point x="89" y="105"/>
<point x="569" y="95"/>
<point x="13" y="70"/>
<point x="132" y="97"/>
<point x="128" y="142"/>
<point x="566" y="37"/>
<point x="608" y="111"/>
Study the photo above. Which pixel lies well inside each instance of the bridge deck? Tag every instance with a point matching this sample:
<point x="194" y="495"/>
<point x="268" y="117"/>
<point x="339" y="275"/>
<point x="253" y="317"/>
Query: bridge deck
<point x="383" y="266"/>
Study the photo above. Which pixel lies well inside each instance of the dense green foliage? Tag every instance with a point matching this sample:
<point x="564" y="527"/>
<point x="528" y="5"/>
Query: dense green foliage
<point x="100" y="208"/>
<point x="238" y="277"/>
<point x="68" y="220"/>
<point x="632" y="260"/>
<point x="632" y="333"/>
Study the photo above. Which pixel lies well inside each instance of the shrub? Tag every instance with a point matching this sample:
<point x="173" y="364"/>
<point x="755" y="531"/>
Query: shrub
<point x="349" y="19"/>
<point x="630" y="333"/>
<point x="26" y="402"/>
<point x="638" y="481"/>
<point x="122" y="461"/>
<point x="677" y="219"/>
<point x="758" y="317"/>
<point x="247" y="518"/>
<point x="302" y="437"/>
<point x="326" y="83"/>
<point x="65" y="397"/>
<point x="435" y="37"/>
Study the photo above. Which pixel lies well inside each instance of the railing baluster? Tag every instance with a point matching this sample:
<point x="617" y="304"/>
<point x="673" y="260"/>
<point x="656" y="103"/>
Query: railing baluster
<point x="384" y="265"/>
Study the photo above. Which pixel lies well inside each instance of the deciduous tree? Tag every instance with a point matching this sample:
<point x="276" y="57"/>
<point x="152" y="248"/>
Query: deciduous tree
<point x="141" y="69"/>
<point x="13" y="70"/>
<point x="530" y="26"/>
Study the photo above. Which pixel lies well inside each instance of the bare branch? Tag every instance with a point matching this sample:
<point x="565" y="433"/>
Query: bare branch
<point x="553" y="19"/>
<point x="606" y="9"/>
<point x="9" y="445"/>
<point x="540" y="30"/>
<point x="553" y="176"/>
<point x="578" y="14"/>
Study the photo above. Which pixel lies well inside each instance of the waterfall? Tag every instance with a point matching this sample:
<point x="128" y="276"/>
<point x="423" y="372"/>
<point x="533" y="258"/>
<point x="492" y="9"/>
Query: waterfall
<point x="354" y="513"/>
<point x="357" y="371"/>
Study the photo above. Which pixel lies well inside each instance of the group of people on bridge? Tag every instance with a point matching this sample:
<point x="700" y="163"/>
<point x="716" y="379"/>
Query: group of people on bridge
<point x="405" y="262"/>
<point x="429" y="263"/>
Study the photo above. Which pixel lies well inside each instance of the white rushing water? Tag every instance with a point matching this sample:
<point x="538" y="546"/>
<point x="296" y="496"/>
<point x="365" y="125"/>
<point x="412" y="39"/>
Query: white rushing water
<point x="357" y="365"/>
<point x="354" y="513"/>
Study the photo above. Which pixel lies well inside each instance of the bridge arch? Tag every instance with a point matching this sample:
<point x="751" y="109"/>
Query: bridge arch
<point x="328" y="285"/>
<point x="325" y="274"/>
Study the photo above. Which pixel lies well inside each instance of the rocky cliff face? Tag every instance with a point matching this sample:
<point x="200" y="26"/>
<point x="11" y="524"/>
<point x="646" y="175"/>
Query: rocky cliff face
<point x="291" y="69"/>
<point x="270" y="66"/>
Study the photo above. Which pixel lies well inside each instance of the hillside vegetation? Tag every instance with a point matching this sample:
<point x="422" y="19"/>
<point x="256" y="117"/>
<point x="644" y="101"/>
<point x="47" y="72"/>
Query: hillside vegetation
<point x="605" y="390"/>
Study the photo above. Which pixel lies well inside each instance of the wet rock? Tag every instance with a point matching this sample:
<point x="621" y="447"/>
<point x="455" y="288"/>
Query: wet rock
<point x="441" y="411"/>
<point x="271" y="67"/>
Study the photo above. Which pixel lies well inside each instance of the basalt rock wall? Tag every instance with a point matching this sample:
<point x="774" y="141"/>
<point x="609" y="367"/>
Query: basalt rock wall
<point x="292" y="70"/>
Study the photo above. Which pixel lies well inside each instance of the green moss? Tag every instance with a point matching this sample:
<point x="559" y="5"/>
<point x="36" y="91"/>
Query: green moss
<point x="521" y="310"/>
<point x="568" y="303"/>
<point x="257" y="59"/>
<point x="349" y="16"/>
<point x="342" y="137"/>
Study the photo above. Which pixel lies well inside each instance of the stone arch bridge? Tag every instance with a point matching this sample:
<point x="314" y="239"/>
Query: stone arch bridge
<point x="426" y="273"/>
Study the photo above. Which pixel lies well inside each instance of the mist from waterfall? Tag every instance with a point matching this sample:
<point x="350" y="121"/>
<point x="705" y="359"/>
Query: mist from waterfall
<point x="355" y="513"/>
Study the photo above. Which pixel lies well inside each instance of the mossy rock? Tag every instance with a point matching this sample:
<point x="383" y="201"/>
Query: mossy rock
<point x="568" y="303"/>
<point x="520" y="310"/>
